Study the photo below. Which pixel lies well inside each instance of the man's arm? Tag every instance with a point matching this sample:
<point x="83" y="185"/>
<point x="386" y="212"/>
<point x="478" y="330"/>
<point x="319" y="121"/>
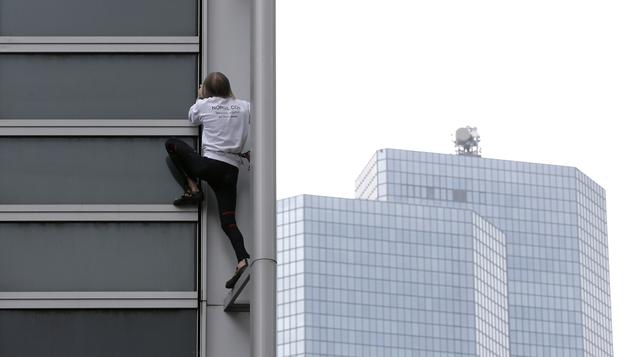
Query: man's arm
<point x="194" y="111"/>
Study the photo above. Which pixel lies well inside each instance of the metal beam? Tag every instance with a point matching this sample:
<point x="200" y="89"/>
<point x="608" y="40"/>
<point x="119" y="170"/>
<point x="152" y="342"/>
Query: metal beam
<point x="80" y="213"/>
<point x="15" y="44"/>
<point x="263" y="99"/>
<point x="98" y="48"/>
<point x="230" y="300"/>
<point x="99" y="304"/>
<point x="98" y="295"/>
<point x="98" y="300"/>
<point x="203" y="23"/>
<point x="87" y="127"/>
<point x="99" y="40"/>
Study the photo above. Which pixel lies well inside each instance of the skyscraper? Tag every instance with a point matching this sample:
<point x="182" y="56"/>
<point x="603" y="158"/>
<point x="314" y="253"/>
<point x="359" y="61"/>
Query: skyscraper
<point x="552" y="220"/>
<point x="94" y="258"/>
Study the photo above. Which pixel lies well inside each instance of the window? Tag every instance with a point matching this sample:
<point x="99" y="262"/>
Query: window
<point x="97" y="256"/>
<point x="99" y="18"/>
<point x="98" y="333"/>
<point x="86" y="170"/>
<point x="97" y="86"/>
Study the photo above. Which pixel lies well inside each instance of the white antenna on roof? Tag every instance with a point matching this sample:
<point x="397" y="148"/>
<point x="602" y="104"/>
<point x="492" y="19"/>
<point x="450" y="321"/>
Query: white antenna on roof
<point x="467" y="140"/>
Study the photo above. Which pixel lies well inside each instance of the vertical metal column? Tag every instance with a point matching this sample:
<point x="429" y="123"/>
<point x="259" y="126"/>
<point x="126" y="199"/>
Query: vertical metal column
<point x="263" y="157"/>
<point x="203" y="18"/>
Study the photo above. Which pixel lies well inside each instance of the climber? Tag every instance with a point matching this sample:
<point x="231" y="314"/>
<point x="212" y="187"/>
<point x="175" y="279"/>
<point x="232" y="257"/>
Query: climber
<point x="225" y="121"/>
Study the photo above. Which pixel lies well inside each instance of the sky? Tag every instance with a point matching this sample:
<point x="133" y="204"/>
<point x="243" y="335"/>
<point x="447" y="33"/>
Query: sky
<point x="555" y="82"/>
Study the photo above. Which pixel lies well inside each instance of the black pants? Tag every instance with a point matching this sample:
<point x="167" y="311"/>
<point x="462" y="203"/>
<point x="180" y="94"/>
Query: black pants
<point x="222" y="178"/>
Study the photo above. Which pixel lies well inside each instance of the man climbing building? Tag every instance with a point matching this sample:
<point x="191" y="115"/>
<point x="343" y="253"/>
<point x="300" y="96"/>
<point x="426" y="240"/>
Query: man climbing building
<point x="225" y="122"/>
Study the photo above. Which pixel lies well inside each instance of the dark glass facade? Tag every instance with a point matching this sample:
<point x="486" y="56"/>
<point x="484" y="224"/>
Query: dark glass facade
<point x="94" y="259"/>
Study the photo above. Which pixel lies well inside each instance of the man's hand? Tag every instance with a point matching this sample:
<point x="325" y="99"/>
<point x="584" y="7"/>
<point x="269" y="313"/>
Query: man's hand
<point x="246" y="155"/>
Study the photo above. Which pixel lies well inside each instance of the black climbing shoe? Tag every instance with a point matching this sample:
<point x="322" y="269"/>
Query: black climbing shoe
<point x="234" y="279"/>
<point x="189" y="198"/>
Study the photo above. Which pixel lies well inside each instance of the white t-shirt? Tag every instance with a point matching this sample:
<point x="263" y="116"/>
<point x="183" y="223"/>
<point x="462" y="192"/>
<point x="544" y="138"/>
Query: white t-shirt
<point x="225" y="124"/>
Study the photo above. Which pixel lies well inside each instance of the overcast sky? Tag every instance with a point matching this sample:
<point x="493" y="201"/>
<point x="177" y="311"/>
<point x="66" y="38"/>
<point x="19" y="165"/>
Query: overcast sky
<point x="554" y="82"/>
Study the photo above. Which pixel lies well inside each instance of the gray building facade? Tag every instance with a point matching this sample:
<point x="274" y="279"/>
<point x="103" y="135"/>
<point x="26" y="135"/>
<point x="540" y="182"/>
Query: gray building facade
<point x="94" y="258"/>
<point x="554" y="223"/>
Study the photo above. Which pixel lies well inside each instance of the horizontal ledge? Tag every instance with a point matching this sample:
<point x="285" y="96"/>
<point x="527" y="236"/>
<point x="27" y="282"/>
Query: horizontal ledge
<point x="222" y="305"/>
<point x="230" y="300"/>
<point x="238" y="307"/>
<point x="99" y="299"/>
<point x="97" y="127"/>
<point x="99" y="48"/>
<point x="99" y="304"/>
<point x="189" y="44"/>
<point x="98" y="131"/>
<point x="99" y="39"/>
<point x="97" y="123"/>
<point x="79" y="213"/>
<point x="95" y="208"/>
<point x="98" y="295"/>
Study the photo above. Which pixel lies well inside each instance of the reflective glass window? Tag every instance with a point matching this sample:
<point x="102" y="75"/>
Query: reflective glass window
<point x="96" y="86"/>
<point x="98" y="333"/>
<point x="98" y="18"/>
<point x="108" y="256"/>
<point x="86" y="170"/>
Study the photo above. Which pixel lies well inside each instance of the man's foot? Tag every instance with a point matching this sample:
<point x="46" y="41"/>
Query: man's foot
<point x="242" y="265"/>
<point x="189" y="198"/>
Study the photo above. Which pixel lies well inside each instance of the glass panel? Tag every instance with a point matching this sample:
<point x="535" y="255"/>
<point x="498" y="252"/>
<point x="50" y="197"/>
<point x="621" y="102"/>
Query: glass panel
<point x="460" y="195"/>
<point x="88" y="170"/>
<point x="97" y="86"/>
<point x="98" y="18"/>
<point x="110" y="256"/>
<point x="98" y="333"/>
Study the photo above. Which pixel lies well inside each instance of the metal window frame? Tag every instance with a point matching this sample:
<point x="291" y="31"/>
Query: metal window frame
<point x="93" y="300"/>
<point x="96" y="213"/>
<point x="99" y="300"/>
<point x="102" y="127"/>
<point x="99" y="44"/>
<point x="201" y="257"/>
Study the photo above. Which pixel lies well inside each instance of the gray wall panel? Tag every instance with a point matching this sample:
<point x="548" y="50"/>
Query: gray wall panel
<point x="229" y="38"/>
<point x="97" y="86"/>
<point x="86" y="170"/>
<point x="98" y="18"/>
<point x="229" y="50"/>
<point x="228" y="333"/>
<point x="98" y="333"/>
<point x="114" y="256"/>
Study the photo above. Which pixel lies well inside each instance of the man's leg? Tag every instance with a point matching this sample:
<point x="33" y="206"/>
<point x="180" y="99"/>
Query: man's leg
<point x="227" y="205"/>
<point x="189" y="165"/>
<point x="223" y="179"/>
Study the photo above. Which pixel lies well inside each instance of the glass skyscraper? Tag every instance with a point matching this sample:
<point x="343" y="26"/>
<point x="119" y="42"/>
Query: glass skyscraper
<point x="447" y="255"/>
